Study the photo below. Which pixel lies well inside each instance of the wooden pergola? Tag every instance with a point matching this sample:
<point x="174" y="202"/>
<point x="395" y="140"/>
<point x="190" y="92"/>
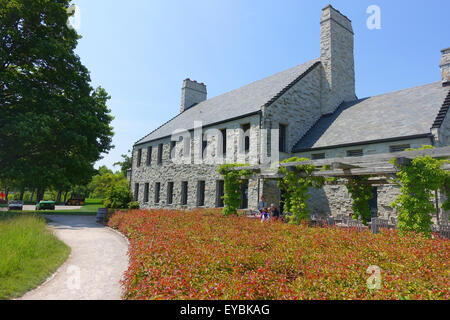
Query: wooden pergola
<point x="377" y="166"/>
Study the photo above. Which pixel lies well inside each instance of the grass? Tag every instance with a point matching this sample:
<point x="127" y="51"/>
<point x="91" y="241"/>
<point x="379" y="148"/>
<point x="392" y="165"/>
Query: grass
<point x="29" y="253"/>
<point x="89" y="209"/>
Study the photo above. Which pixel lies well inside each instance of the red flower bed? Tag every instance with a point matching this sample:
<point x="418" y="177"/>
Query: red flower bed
<point x="201" y="254"/>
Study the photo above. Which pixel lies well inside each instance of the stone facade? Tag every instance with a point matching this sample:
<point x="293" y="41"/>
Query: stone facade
<point x="169" y="171"/>
<point x="319" y="91"/>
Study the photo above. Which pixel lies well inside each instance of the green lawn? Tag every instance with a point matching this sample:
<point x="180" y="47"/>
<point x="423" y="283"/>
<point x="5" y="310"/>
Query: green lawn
<point x="29" y="253"/>
<point x="90" y="209"/>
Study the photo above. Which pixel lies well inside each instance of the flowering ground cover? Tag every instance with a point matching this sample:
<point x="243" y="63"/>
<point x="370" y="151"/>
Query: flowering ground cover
<point x="201" y="254"/>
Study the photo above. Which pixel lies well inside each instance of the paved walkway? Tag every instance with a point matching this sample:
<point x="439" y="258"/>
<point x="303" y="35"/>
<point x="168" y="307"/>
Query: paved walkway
<point x="95" y="266"/>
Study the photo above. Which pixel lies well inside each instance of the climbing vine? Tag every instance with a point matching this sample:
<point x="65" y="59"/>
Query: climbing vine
<point x="418" y="182"/>
<point x="296" y="184"/>
<point x="361" y="192"/>
<point x="232" y="187"/>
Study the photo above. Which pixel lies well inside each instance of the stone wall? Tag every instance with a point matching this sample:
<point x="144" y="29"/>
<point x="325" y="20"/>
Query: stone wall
<point x="298" y="108"/>
<point x="442" y="135"/>
<point x="192" y="173"/>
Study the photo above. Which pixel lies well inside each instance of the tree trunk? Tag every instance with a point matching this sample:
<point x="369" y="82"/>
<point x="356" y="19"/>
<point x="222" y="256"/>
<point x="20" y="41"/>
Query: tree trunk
<point x="6" y="194"/>
<point x="22" y="192"/>
<point x="32" y="196"/>
<point x="40" y="195"/>
<point x="58" y="197"/>
<point x="65" y="196"/>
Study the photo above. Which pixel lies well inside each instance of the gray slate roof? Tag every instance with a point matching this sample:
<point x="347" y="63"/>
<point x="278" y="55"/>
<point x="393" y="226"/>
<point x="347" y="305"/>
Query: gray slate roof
<point x="402" y="113"/>
<point x="240" y="102"/>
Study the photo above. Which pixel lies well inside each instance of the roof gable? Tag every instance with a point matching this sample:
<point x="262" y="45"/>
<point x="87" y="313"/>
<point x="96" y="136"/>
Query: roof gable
<point x="244" y="101"/>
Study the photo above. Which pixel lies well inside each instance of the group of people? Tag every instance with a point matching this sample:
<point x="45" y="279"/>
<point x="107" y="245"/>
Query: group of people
<point x="268" y="212"/>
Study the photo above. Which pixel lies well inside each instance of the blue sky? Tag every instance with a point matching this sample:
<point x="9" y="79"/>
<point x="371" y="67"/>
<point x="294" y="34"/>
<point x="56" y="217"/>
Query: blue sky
<point x="140" y="51"/>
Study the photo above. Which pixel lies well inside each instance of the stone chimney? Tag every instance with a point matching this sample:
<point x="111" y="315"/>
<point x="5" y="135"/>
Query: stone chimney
<point x="445" y="67"/>
<point x="192" y="93"/>
<point x="336" y="55"/>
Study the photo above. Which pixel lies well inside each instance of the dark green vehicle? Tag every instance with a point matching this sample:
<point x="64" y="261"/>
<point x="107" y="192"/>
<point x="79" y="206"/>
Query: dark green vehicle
<point x="45" y="205"/>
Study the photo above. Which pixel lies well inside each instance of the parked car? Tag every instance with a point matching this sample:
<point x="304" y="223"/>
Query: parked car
<point x="45" y="205"/>
<point x="15" y="205"/>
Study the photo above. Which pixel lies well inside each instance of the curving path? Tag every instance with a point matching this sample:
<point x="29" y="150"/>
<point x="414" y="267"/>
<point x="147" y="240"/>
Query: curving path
<point x="97" y="262"/>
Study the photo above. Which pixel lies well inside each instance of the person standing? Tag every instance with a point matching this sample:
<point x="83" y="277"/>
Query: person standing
<point x="274" y="212"/>
<point x="262" y="204"/>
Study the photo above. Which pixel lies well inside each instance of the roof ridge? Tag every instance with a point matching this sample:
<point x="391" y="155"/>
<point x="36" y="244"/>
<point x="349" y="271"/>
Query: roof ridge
<point x="159" y="127"/>
<point x="442" y="112"/>
<point x="313" y="62"/>
<point x="397" y="91"/>
<point x="290" y="85"/>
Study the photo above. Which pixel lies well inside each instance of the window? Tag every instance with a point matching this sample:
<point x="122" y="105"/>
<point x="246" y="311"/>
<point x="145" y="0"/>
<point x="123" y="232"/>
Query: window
<point x="139" y="157"/>
<point x="157" y="192"/>
<point x="160" y="153"/>
<point x="204" y="145"/>
<point x="355" y="153"/>
<point x="318" y="156"/>
<point x="149" y="156"/>
<point x="136" y="192"/>
<point x="184" y="193"/>
<point x="173" y="144"/>
<point x="170" y="193"/>
<point x="246" y="129"/>
<point x="224" y="141"/>
<point x="399" y="148"/>
<point x="146" y="191"/>
<point x="283" y="137"/>
<point x="201" y="194"/>
<point x="220" y="192"/>
<point x="244" y="195"/>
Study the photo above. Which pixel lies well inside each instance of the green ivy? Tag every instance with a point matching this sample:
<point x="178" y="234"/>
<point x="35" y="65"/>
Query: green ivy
<point x="361" y="192"/>
<point x="418" y="182"/>
<point x="295" y="185"/>
<point x="232" y="187"/>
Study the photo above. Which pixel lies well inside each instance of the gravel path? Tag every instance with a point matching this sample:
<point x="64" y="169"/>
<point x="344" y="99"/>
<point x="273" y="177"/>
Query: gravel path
<point x="95" y="266"/>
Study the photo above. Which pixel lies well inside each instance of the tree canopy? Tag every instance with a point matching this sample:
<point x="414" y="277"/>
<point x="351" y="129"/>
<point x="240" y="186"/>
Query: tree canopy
<point x="53" y="125"/>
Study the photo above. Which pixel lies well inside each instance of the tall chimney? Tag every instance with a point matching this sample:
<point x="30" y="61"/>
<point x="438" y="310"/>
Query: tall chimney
<point x="192" y="93"/>
<point x="445" y="67"/>
<point x="336" y="55"/>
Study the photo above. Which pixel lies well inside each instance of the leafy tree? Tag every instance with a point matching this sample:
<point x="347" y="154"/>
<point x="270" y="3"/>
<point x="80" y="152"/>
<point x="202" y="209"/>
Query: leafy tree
<point x="418" y="182"/>
<point x="125" y="164"/>
<point x="103" y="180"/>
<point x="53" y="125"/>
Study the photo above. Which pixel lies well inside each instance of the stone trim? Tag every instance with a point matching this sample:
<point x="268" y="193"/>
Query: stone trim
<point x="442" y="112"/>
<point x="290" y="85"/>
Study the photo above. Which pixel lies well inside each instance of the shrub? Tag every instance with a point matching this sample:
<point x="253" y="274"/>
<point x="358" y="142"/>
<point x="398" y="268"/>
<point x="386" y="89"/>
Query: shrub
<point x="202" y="254"/>
<point x="133" y="205"/>
<point x="118" y="196"/>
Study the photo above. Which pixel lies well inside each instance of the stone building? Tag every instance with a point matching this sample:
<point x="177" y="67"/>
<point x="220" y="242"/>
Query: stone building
<point x="310" y="110"/>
